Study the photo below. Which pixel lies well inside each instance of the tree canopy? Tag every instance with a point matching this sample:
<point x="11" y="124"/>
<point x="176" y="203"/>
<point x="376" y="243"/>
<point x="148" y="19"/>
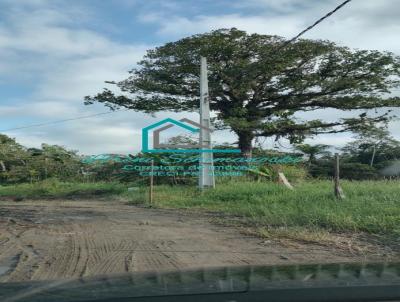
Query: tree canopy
<point x="21" y="164"/>
<point x="312" y="151"/>
<point x="257" y="86"/>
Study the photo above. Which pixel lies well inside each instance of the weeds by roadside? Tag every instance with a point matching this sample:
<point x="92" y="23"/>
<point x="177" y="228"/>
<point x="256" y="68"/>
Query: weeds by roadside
<point x="310" y="212"/>
<point x="370" y="206"/>
<point x="53" y="189"/>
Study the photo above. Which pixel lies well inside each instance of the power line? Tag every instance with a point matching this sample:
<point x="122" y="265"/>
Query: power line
<point x="104" y="113"/>
<point x="61" y="121"/>
<point x="315" y="23"/>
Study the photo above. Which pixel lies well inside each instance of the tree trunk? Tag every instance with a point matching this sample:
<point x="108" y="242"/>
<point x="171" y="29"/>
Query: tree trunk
<point x="310" y="160"/>
<point x="245" y="143"/>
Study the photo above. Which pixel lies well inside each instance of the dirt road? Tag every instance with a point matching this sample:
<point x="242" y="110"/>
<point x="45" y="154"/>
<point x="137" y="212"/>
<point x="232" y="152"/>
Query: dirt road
<point x="55" y="239"/>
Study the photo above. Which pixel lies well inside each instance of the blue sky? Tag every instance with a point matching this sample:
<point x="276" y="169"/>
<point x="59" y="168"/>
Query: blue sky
<point x="54" y="52"/>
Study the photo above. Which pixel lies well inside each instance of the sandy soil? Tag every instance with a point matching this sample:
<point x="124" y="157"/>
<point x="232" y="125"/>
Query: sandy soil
<point x="44" y="240"/>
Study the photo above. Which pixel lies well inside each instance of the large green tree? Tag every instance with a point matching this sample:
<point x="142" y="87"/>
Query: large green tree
<point x="257" y="85"/>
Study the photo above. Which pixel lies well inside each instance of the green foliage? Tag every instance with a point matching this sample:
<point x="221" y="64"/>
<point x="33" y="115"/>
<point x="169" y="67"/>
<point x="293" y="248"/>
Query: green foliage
<point x="373" y="146"/>
<point x="324" y="168"/>
<point x="12" y="156"/>
<point x="357" y="171"/>
<point x="255" y="89"/>
<point x="370" y="206"/>
<point x="293" y="173"/>
<point x="53" y="188"/>
<point x="312" y="151"/>
<point x="109" y="170"/>
<point x="19" y="164"/>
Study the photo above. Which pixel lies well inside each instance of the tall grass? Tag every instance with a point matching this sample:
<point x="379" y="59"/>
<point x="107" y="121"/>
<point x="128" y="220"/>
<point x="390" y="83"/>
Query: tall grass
<point x="56" y="189"/>
<point x="370" y="206"/>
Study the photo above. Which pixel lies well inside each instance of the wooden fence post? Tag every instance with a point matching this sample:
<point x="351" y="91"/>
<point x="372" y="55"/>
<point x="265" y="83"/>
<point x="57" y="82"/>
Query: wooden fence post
<point x="151" y="183"/>
<point x="338" y="190"/>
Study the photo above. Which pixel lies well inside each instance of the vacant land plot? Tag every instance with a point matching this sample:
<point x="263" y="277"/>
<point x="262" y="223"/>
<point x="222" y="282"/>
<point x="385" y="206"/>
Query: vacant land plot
<point x="42" y="240"/>
<point x="371" y="208"/>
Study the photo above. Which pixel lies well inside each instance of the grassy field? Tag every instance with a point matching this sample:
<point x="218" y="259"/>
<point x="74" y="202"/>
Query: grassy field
<point x="52" y="189"/>
<point x="370" y="206"/>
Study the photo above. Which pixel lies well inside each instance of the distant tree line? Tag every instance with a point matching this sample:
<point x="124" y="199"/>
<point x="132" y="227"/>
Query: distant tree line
<point x="19" y="164"/>
<point x="373" y="154"/>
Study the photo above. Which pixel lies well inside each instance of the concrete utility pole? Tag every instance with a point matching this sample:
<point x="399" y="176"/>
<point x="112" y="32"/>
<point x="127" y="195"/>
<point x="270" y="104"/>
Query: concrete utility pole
<point x="206" y="177"/>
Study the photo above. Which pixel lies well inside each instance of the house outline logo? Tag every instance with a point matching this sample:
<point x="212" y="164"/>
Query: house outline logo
<point x="184" y="123"/>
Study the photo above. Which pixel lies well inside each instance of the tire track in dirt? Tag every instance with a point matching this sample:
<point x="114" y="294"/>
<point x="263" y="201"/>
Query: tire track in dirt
<point x="59" y="254"/>
<point x="150" y="256"/>
<point x="21" y="253"/>
<point x="79" y="239"/>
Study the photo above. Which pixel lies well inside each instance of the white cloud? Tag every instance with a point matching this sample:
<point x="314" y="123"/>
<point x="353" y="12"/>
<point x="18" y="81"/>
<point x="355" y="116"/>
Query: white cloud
<point x="48" y="32"/>
<point x="77" y="77"/>
<point x="181" y="26"/>
<point x="46" y="44"/>
<point x="64" y="64"/>
<point x="38" y="109"/>
<point x="366" y="24"/>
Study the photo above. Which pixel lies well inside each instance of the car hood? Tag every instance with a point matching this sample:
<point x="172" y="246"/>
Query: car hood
<point x="295" y="282"/>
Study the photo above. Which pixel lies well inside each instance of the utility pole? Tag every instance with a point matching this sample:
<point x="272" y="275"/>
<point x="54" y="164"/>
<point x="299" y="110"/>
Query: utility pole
<point x="206" y="166"/>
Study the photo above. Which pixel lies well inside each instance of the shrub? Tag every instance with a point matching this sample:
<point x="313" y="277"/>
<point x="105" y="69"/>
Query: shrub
<point x="357" y="171"/>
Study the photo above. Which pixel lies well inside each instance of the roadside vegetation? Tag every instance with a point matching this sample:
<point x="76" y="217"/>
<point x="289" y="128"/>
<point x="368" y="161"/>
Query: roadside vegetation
<point x="369" y="169"/>
<point x="54" y="189"/>
<point x="371" y="207"/>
